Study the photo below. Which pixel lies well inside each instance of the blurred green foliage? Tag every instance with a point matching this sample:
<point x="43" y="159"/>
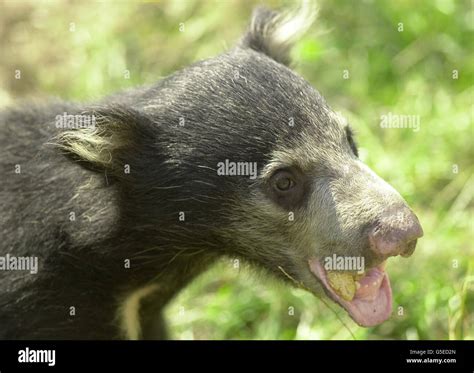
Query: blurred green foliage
<point x="83" y="51"/>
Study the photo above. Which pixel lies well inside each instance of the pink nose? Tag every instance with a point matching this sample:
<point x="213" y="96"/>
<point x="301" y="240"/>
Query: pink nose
<point x="395" y="233"/>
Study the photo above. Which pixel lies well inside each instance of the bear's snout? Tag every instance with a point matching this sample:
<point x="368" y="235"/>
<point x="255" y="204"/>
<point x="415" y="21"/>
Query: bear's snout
<point x="395" y="232"/>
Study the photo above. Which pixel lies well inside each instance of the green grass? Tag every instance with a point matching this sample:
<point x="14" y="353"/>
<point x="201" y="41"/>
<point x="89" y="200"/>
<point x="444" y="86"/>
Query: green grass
<point x="409" y="72"/>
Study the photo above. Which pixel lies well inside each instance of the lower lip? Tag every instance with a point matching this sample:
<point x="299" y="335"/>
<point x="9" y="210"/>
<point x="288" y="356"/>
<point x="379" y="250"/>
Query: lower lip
<point x="363" y="311"/>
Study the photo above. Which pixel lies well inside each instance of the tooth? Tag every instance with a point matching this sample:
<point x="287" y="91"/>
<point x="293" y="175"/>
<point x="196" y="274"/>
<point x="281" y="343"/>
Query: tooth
<point x="374" y="283"/>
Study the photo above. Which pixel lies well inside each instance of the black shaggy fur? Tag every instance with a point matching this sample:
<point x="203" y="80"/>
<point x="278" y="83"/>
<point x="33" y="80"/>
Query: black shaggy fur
<point x="134" y="216"/>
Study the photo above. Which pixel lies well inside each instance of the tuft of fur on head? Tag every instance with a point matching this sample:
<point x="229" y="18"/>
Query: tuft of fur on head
<point x="105" y="145"/>
<point x="90" y="144"/>
<point x="274" y="33"/>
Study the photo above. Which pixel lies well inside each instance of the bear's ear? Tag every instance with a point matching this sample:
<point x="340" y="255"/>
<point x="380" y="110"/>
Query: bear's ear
<point x="110" y="140"/>
<point x="274" y="33"/>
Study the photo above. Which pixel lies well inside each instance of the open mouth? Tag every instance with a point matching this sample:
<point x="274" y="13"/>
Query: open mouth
<point x="366" y="297"/>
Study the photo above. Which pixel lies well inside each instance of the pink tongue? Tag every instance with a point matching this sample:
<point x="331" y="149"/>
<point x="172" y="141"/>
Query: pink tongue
<point x="370" y="285"/>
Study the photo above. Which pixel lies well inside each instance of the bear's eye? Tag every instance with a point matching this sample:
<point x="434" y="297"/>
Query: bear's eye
<point x="287" y="188"/>
<point x="283" y="181"/>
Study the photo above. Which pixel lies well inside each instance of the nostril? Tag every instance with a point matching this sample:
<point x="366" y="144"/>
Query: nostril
<point x="409" y="249"/>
